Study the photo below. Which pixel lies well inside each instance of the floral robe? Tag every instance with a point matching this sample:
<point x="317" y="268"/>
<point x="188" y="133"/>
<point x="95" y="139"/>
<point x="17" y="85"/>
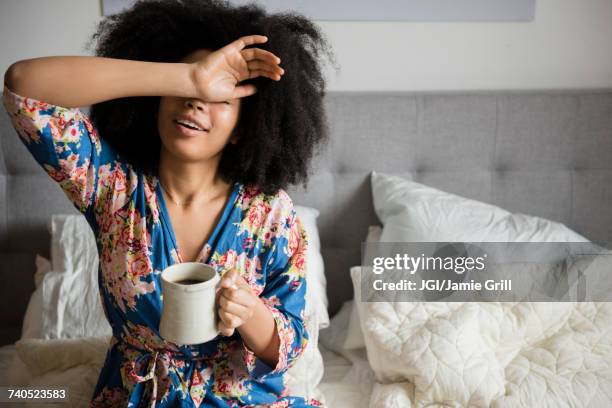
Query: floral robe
<point x="258" y="234"/>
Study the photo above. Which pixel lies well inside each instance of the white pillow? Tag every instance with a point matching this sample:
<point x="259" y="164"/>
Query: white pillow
<point x="334" y="336"/>
<point x="414" y="212"/>
<point x="71" y="305"/>
<point x="304" y="377"/>
<point x="32" y="327"/>
<point x="333" y="339"/>
<point x="316" y="289"/>
<point x="32" y="320"/>
<point x="589" y="275"/>
<point x="374" y="233"/>
<point x="354" y="335"/>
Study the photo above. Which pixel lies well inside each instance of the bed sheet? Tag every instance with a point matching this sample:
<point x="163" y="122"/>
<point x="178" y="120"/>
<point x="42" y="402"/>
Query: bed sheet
<point x="12" y="371"/>
<point x="345" y="383"/>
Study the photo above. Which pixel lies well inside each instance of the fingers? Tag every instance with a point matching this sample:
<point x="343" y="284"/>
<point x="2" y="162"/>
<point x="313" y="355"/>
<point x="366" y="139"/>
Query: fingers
<point x="229" y="319"/>
<point x="223" y="324"/>
<point x="257" y="53"/>
<point x="235" y="302"/>
<point x="249" y="40"/>
<point x="242" y="91"/>
<point x="271" y="71"/>
<point x="262" y="63"/>
<point x="224" y="329"/>
<point x="259" y="62"/>
<point x="229" y="279"/>
<point x="231" y="316"/>
<point x="259" y="72"/>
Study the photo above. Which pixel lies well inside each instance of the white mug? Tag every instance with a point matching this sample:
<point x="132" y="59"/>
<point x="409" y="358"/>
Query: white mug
<point x="188" y="312"/>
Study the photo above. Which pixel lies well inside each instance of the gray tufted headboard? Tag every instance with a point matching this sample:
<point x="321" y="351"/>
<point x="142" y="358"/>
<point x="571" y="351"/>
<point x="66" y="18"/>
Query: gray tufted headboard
<point x="545" y="153"/>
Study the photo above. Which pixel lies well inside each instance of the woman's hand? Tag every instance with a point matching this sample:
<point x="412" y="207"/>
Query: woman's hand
<point x="217" y="74"/>
<point x="236" y="302"/>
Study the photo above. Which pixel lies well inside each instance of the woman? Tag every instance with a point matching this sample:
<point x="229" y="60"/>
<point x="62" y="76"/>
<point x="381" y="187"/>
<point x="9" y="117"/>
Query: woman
<point x="196" y="138"/>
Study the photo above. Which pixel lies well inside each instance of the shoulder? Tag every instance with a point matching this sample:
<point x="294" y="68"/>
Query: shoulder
<point x="269" y="216"/>
<point x="278" y="204"/>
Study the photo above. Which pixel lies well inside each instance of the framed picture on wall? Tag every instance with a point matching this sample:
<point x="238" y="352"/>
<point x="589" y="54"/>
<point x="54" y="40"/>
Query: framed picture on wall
<point x="386" y="10"/>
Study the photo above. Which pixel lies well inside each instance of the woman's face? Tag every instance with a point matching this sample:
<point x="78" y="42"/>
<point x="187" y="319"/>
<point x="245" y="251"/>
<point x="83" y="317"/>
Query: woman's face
<point x="218" y="118"/>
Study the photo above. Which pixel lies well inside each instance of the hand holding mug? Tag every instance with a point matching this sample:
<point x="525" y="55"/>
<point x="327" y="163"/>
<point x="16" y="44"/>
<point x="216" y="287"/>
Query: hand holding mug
<point x="216" y="75"/>
<point x="236" y="302"/>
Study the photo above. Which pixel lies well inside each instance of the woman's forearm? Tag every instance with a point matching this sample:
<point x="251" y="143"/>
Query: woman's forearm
<point x="74" y="81"/>
<point x="260" y="335"/>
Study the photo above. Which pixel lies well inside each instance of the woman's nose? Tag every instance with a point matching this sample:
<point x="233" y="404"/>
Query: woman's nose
<point x="197" y="104"/>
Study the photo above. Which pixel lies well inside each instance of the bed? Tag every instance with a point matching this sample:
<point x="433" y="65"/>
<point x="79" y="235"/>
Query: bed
<point x="543" y="153"/>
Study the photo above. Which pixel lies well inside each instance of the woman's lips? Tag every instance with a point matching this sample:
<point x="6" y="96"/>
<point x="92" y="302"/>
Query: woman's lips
<point x="189" y="132"/>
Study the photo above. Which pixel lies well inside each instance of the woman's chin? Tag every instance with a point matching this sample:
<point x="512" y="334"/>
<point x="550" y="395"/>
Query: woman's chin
<point x="189" y="153"/>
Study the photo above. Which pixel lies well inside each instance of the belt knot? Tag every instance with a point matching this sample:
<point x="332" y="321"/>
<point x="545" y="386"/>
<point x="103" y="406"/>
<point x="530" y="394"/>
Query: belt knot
<point x="151" y="360"/>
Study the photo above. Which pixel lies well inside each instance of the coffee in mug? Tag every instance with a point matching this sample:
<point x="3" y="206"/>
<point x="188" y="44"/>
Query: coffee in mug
<point x="189" y="281"/>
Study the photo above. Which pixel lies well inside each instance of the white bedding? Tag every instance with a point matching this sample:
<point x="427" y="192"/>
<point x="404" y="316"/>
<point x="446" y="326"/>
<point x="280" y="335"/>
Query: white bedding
<point x="345" y="384"/>
<point x="490" y="354"/>
<point x="553" y="371"/>
<point x="527" y="354"/>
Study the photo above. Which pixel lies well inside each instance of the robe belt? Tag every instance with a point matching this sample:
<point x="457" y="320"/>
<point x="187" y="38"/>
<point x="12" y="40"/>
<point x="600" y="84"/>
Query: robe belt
<point x="131" y="369"/>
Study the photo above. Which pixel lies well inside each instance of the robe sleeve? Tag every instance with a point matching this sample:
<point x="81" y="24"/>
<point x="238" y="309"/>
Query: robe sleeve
<point x="65" y="144"/>
<point x="284" y="296"/>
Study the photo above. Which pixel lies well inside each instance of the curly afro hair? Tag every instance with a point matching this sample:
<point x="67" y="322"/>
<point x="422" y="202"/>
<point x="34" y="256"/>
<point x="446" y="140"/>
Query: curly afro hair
<point x="284" y="121"/>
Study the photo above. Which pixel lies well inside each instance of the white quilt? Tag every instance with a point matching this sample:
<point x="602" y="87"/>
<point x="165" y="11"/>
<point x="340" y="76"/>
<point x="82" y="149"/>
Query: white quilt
<point x="495" y="354"/>
<point x="490" y="354"/>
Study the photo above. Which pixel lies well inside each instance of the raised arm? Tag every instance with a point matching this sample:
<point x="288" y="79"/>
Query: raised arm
<point x="74" y="81"/>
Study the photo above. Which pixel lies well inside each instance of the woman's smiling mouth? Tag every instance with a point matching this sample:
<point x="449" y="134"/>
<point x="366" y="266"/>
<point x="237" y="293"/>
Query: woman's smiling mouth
<point x="188" y="131"/>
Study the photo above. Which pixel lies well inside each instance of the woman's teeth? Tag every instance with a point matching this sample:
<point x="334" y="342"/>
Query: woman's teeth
<point x="188" y="125"/>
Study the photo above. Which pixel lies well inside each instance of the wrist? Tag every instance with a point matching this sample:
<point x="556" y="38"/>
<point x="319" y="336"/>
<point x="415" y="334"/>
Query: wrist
<point x="259" y="334"/>
<point x="199" y="78"/>
<point x="193" y="83"/>
<point x="177" y="80"/>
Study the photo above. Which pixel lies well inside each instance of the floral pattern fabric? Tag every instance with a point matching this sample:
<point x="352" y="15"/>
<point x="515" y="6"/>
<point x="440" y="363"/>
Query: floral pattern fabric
<point x="259" y="234"/>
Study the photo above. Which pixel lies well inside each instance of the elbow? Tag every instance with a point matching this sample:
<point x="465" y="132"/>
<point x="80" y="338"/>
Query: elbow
<point x="12" y="74"/>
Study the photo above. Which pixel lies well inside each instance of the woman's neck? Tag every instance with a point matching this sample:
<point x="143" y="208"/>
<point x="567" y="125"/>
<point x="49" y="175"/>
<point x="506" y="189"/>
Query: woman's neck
<point x="191" y="183"/>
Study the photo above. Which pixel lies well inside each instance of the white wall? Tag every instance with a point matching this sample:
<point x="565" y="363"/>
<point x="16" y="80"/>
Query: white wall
<point x="567" y="46"/>
<point x="36" y="28"/>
